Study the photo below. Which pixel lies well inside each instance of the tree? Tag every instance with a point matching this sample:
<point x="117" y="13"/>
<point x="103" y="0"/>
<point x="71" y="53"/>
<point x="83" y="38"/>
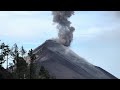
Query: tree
<point x="22" y="51"/>
<point x="2" y="46"/>
<point x="11" y="66"/>
<point x="1" y="55"/>
<point x="1" y="60"/>
<point x="4" y="74"/>
<point x="15" y="48"/>
<point x="15" y="56"/>
<point x="43" y="74"/>
<point x="14" y="53"/>
<point x="4" y="53"/>
<point x="21" y="68"/>
<point x="32" y="58"/>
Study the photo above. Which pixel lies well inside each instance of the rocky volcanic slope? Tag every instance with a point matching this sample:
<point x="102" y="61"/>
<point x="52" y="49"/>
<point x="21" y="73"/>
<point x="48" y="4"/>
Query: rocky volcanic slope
<point x="63" y="63"/>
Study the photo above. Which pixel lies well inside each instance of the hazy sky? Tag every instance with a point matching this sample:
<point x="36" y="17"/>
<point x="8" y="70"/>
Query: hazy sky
<point x="96" y="37"/>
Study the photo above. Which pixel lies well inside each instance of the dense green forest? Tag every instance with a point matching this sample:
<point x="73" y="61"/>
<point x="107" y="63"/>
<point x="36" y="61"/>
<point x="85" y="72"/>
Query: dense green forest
<point x="19" y="68"/>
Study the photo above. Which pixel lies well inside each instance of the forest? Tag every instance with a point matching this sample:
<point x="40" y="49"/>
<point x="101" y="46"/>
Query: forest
<point x="18" y="68"/>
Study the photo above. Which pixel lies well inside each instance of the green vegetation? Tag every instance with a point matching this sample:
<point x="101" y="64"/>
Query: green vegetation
<point x="32" y="58"/>
<point x="19" y="69"/>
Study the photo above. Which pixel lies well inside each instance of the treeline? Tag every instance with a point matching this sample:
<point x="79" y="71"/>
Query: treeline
<point x="19" y="68"/>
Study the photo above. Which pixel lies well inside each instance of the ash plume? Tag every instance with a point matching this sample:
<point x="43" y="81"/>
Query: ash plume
<point x="65" y="33"/>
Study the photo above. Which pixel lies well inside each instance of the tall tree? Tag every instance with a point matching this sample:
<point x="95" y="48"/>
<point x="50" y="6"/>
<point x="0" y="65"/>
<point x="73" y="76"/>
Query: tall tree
<point x="2" y="47"/>
<point x="14" y="53"/>
<point x="19" y="62"/>
<point x="6" y="52"/>
<point x="1" y="54"/>
<point x="22" y="51"/>
<point x="1" y="60"/>
<point x="15" y="56"/>
<point x="16" y="49"/>
<point x="21" y="68"/>
<point x="32" y="58"/>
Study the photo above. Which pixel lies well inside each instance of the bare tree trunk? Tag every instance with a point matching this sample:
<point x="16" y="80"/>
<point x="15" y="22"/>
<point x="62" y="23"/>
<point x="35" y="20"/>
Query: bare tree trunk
<point x="7" y="61"/>
<point x="30" y="71"/>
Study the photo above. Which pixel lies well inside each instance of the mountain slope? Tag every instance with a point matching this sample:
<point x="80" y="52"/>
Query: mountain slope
<point x="63" y="63"/>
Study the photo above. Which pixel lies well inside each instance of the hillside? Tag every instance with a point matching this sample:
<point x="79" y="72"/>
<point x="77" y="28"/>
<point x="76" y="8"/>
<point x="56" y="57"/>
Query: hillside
<point x="63" y="63"/>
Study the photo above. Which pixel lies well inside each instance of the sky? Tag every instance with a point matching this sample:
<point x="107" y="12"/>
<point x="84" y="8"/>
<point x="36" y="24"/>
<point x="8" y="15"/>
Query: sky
<point x="96" y="37"/>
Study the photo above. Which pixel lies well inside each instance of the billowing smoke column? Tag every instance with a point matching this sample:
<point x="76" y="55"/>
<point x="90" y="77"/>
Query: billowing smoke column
<point x="65" y="33"/>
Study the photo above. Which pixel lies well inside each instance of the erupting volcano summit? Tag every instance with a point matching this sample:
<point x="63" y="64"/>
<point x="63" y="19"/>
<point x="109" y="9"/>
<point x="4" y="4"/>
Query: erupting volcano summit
<point x="63" y="63"/>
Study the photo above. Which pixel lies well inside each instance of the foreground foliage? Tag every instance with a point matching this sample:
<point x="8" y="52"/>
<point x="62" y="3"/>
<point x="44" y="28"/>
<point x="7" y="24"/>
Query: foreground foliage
<point x="19" y="69"/>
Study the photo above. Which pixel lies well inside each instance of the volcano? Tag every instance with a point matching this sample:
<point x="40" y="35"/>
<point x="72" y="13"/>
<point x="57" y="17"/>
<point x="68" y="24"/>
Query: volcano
<point x="63" y="63"/>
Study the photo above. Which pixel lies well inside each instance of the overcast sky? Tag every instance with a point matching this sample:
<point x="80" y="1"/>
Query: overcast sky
<point x="96" y="38"/>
